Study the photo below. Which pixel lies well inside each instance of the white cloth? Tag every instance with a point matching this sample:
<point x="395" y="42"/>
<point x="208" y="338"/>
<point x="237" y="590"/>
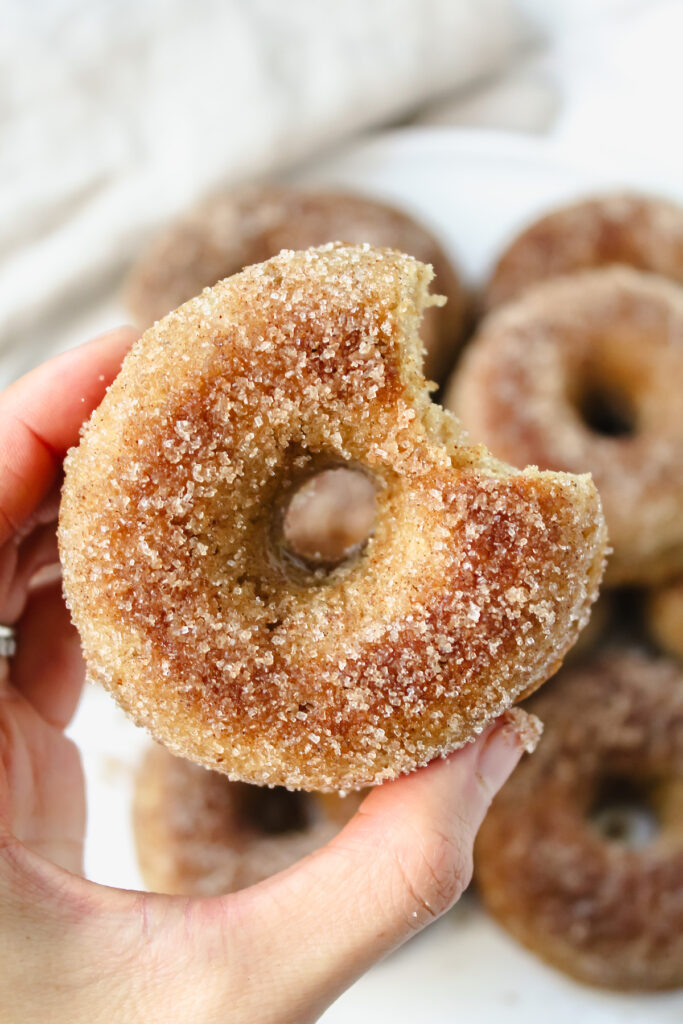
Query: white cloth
<point x="605" y="84"/>
<point x="115" y="116"/>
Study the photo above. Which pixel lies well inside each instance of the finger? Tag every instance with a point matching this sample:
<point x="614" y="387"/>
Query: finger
<point x="294" y="943"/>
<point x="26" y="553"/>
<point x="38" y="550"/>
<point x="26" y="559"/>
<point x="40" y="416"/>
<point x="402" y="861"/>
<point x="48" y="667"/>
<point x="42" y="799"/>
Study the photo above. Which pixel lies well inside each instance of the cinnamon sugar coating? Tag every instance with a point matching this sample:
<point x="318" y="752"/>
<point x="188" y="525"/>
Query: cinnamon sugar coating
<point x="475" y="582"/>
<point x="614" y="333"/>
<point x="665" y="617"/>
<point x="233" y="229"/>
<point x="638" y="231"/>
<point x="528" y="728"/>
<point x="198" y="834"/>
<point x="606" y="911"/>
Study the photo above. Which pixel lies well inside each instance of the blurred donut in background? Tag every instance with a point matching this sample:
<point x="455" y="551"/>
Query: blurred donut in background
<point x="198" y="834"/>
<point x="581" y="854"/>
<point x="596" y="629"/>
<point x="585" y="374"/>
<point x="638" y="231"/>
<point x="231" y="230"/>
<point x="665" y="617"/>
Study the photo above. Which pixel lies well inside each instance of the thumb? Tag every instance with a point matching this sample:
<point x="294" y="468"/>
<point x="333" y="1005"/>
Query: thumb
<point x="401" y="862"/>
<point x="279" y="951"/>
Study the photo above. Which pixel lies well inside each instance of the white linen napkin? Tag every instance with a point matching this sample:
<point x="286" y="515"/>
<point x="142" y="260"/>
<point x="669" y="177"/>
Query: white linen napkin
<point x="115" y="116"/>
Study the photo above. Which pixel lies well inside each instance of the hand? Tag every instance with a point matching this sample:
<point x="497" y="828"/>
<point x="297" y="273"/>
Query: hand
<point x="278" y="953"/>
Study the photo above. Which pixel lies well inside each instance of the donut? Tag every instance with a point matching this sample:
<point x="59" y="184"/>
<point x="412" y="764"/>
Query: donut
<point x="665" y="617"/>
<point x="638" y="231"/>
<point x="198" y="834"/>
<point x="236" y="652"/>
<point x="236" y="228"/>
<point x="585" y="373"/>
<point x="581" y="854"/>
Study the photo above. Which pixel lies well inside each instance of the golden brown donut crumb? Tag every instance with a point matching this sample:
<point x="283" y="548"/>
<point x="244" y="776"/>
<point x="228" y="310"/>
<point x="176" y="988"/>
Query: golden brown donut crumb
<point x="471" y="588"/>
<point x="581" y="854"/>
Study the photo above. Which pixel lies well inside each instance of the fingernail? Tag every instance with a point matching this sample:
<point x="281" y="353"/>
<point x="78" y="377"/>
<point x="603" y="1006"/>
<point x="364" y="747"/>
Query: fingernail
<point x="514" y="732"/>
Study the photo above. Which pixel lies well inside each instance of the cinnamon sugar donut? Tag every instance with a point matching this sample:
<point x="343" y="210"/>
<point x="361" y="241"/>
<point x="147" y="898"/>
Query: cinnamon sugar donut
<point x="585" y="373"/>
<point x="198" y="834"/>
<point x="639" y="231"/>
<point x="234" y="229"/>
<point x="235" y="653"/>
<point x="665" y="617"/>
<point x="581" y="854"/>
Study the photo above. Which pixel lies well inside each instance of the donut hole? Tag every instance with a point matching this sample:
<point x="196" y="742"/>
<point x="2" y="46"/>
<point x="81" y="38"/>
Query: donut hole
<point x="606" y="411"/>
<point x="330" y="517"/>
<point x="273" y="812"/>
<point x="623" y="812"/>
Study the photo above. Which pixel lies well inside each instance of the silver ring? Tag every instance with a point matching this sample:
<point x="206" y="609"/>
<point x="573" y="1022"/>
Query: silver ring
<point x="8" y="641"/>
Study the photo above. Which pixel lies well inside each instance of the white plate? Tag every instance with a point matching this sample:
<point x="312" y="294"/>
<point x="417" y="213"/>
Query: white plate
<point x="475" y="189"/>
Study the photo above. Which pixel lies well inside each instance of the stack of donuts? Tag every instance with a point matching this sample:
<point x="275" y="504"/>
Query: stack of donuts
<point x="575" y="365"/>
<point x="578" y="365"/>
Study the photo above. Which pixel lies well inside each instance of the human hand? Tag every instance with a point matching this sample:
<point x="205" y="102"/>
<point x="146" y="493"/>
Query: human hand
<point x="277" y="953"/>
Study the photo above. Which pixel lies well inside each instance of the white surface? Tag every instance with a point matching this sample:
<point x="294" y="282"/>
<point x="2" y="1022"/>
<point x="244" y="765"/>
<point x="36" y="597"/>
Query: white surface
<point x="475" y="190"/>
